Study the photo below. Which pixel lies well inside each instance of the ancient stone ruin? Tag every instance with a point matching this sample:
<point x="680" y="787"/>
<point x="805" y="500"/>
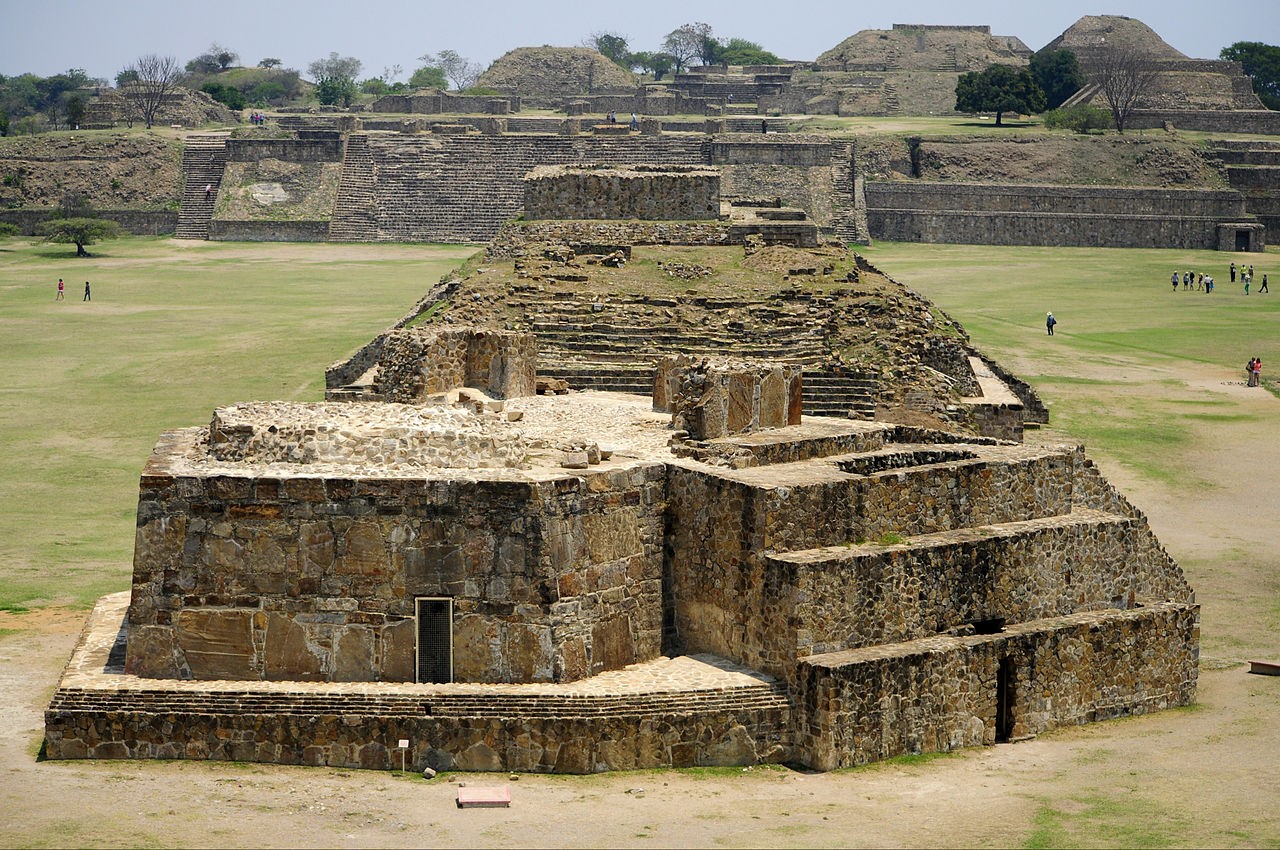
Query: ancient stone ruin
<point x="698" y="574"/>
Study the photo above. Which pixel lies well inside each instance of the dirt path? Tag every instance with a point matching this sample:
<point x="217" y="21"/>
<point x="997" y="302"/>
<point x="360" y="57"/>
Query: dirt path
<point x="1203" y="776"/>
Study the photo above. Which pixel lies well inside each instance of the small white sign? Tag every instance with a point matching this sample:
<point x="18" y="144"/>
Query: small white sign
<point x="404" y="743"/>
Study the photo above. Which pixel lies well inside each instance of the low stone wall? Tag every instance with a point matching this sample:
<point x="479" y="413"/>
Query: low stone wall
<point x="250" y="572"/>
<point x="415" y="363"/>
<point x="515" y="235"/>
<point x="631" y="739"/>
<point x="1263" y="122"/>
<point x="943" y="693"/>
<point x="222" y="230"/>
<point x="135" y="222"/>
<point x="1049" y="215"/>
<point x="791" y="150"/>
<point x="648" y="193"/>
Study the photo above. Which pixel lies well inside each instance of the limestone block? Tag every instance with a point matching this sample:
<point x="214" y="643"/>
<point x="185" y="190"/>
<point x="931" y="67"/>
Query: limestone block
<point x="364" y="550"/>
<point x="217" y="644"/>
<point x="153" y="653"/>
<point x="612" y="647"/>
<point x="353" y="655"/>
<point x="611" y="536"/>
<point x="287" y="654"/>
<point x="398" y="650"/>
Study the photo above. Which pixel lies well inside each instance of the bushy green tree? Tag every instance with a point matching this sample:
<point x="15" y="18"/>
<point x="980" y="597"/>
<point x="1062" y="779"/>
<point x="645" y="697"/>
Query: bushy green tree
<point x="658" y="64"/>
<point x="1081" y="118"/>
<point x="686" y="43"/>
<point x="335" y="78"/>
<point x="78" y="231"/>
<point x="428" y="77"/>
<point x="611" y="45"/>
<point x="1261" y="63"/>
<point x="1057" y="72"/>
<point x="232" y="97"/>
<point x="739" y="51"/>
<point x="999" y="89"/>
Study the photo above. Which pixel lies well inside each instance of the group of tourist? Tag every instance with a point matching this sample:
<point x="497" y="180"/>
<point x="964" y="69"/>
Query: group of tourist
<point x="62" y="287"/>
<point x="257" y="119"/>
<point x="1190" y="280"/>
<point x="612" y="118"/>
<point x="1246" y="277"/>
<point x="1254" y="372"/>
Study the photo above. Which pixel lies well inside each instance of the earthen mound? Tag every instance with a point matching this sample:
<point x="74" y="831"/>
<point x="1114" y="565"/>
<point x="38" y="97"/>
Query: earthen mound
<point x="927" y="48"/>
<point x="546" y="74"/>
<point x="1093" y="33"/>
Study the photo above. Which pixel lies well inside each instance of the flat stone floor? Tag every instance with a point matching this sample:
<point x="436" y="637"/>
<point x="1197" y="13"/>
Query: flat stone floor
<point x="92" y="667"/>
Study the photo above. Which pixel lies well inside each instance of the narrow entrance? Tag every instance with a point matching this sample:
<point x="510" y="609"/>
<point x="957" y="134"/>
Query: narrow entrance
<point x="435" y="639"/>
<point x="1005" y="695"/>
<point x="1242" y="240"/>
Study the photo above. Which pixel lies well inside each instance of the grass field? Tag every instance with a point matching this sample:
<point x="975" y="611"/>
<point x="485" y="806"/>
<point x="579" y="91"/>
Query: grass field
<point x="174" y="329"/>
<point x="1116" y="310"/>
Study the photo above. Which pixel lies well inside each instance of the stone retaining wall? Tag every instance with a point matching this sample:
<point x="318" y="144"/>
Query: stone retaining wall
<point x="285" y="150"/>
<point x="223" y="230"/>
<point x="135" y="222"/>
<point x="942" y="693"/>
<point x="1050" y="215"/>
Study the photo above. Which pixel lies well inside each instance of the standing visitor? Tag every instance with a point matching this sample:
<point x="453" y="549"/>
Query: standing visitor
<point x="1174" y="280"/>
<point x="1255" y="378"/>
<point x="1049" y="322"/>
<point x="1263" y="288"/>
<point x="61" y="287"/>
<point x="86" y="292"/>
<point x="1233" y="272"/>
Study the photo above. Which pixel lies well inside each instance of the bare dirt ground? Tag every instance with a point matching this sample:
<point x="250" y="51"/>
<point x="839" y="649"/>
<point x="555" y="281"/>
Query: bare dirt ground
<point x="1203" y="776"/>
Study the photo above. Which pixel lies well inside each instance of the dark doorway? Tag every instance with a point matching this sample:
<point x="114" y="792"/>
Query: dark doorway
<point x="1242" y="240"/>
<point x="435" y="640"/>
<point x="1006" y="687"/>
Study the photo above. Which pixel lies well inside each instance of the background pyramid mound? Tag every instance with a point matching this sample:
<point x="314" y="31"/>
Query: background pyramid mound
<point x="1093" y="33"/>
<point x="927" y="48"/>
<point x="542" y="74"/>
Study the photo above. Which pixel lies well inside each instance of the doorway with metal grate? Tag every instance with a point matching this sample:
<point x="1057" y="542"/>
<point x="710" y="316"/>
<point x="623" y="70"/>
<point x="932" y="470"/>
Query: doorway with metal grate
<point x="435" y="639"/>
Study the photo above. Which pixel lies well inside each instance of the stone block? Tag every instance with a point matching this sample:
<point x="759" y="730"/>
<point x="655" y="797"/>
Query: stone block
<point x="287" y="654"/>
<point x="217" y="644"/>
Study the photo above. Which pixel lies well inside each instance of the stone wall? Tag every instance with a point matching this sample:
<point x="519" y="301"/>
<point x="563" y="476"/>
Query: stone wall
<point x="1050" y="215"/>
<point x="245" y="574"/>
<point x="942" y="693"/>
<point x="649" y="193"/>
<point x="514" y="236"/>
<point x="223" y="230"/>
<point x="136" y="222"/>
<point x="415" y="363"/>
<point x="285" y="150"/>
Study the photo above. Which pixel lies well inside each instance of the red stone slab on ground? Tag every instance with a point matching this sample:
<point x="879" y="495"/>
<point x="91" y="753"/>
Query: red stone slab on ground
<point x="484" y="798"/>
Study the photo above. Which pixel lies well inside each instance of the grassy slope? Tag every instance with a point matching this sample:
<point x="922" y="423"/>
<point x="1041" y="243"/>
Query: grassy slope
<point x="174" y="329"/>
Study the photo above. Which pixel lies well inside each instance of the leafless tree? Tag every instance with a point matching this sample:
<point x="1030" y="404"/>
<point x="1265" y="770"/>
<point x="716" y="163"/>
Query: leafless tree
<point x="152" y="77"/>
<point x="1124" y="77"/>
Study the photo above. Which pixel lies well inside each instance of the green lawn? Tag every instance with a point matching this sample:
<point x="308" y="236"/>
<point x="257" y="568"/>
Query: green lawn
<point x="1118" y="316"/>
<point x="174" y="329"/>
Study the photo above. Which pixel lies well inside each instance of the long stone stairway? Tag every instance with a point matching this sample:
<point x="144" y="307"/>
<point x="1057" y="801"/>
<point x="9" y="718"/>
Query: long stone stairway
<point x="615" y="344"/>
<point x="204" y="160"/>
<point x="1253" y="167"/>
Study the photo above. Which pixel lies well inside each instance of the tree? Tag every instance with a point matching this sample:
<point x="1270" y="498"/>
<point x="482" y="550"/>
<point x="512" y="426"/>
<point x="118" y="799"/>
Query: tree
<point x="1057" y="72"/>
<point x="999" y="89"/>
<point x="1123" y="77"/>
<point x="612" y="46"/>
<point x="460" y="71"/>
<point x="335" y="78"/>
<point x="229" y="96"/>
<point x="428" y="77"/>
<point x="78" y="231"/>
<point x="152" y="77"/>
<point x="270" y="62"/>
<point x="739" y="51"/>
<point x="75" y="109"/>
<point x="686" y="43"/>
<point x="658" y="64"/>
<point x="216" y="58"/>
<point x="1261" y="63"/>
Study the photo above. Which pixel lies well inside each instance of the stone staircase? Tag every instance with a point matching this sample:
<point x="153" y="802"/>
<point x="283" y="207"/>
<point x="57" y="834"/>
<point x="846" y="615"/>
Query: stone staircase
<point x="890" y="102"/>
<point x="1253" y="168"/>
<point x="356" y="210"/>
<point x="204" y="160"/>
<point x="614" y="345"/>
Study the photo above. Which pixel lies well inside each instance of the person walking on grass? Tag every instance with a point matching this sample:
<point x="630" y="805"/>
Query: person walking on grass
<point x="61" y="291"/>
<point x="86" y="297"/>
<point x="1049" y="322"/>
<point x="1263" y="288"/>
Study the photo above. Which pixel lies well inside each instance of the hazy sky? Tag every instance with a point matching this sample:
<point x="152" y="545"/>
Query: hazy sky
<point x="102" y="36"/>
